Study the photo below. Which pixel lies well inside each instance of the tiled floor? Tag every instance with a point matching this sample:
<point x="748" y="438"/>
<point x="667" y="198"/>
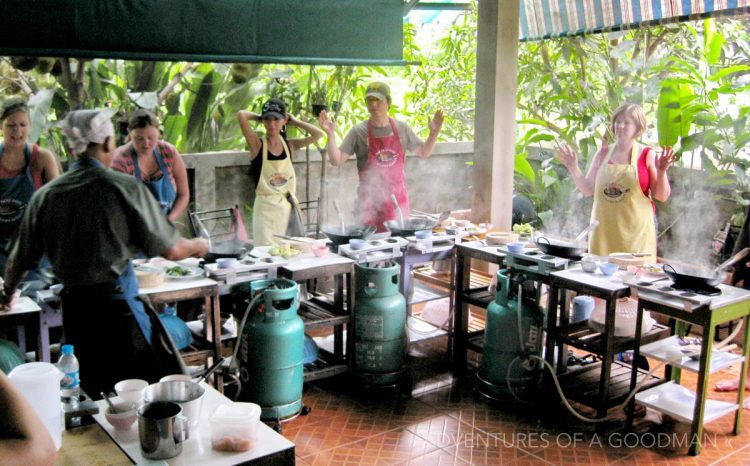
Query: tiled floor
<point x="441" y="424"/>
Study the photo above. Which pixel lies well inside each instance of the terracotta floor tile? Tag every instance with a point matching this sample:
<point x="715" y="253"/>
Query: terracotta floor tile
<point x="394" y="447"/>
<point x="436" y="458"/>
<point x="443" y="423"/>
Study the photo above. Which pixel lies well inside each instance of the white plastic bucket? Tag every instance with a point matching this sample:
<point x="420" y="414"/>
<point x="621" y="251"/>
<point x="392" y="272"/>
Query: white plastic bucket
<point x="39" y="382"/>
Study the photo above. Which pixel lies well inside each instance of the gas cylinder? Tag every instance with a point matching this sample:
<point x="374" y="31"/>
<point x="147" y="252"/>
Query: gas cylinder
<point x="506" y="371"/>
<point x="271" y="350"/>
<point x="380" y="326"/>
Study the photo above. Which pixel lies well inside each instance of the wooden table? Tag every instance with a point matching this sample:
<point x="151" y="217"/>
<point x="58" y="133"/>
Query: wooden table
<point x="319" y="311"/>
<point x="200" y="288"/>
<point x="613" y="381"/>
<point x="28" y="313"/>
<point x="465" y="295"/>
<point x="100" y="444"/>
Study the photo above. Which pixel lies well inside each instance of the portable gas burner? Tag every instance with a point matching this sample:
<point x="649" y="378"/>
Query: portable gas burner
<point x="434" y="242"/>
<point x="375" y="250"/>
<point x="534" y="260"/>
<point x="668" y="291"/>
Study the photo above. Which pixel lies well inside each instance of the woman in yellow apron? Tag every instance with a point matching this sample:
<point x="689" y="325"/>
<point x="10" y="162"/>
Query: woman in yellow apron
<point x="623" y="179"/>
<point x="272" y="169"/>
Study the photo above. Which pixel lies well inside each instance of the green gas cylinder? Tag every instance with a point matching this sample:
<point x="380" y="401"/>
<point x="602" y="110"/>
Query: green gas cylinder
<point x="380" y="326"/>
<point x="506" y="371"/>
<point x="271" y="350"/>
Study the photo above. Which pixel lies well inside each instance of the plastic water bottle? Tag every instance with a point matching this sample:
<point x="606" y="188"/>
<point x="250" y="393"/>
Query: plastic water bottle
<point x="70" y="384"/>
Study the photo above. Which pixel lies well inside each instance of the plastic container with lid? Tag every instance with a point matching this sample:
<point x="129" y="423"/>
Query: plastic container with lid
<point x="39" y="382"/>
<point x="234" y="426"/>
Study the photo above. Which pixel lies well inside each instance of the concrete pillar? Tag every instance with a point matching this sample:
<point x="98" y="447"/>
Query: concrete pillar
<point x="494" y="134"/>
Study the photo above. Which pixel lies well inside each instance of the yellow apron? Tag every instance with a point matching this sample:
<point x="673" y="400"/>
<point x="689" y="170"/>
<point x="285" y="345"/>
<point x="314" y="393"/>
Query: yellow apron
<point x="625" y="214"/>
<point x="271" y="209"/>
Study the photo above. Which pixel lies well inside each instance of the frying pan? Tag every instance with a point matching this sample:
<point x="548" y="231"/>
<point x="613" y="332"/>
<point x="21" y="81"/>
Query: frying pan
<point x="562" y="249"/>
<point x="693" y="280"/>
<point x="334" y="233"/>
<point x="410" y="226"/>
<point x="230" y="248"/>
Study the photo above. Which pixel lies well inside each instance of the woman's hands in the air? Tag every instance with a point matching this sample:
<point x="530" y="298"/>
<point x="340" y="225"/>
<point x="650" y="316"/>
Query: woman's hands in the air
<point x="664" y="159"/>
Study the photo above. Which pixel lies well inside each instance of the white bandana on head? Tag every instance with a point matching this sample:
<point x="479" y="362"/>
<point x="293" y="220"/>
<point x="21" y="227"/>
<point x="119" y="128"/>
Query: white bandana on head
<point x="83" y="127"/>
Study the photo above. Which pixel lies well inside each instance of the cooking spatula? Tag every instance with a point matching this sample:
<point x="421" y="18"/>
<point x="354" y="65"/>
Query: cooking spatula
<point x="732" y="260"/>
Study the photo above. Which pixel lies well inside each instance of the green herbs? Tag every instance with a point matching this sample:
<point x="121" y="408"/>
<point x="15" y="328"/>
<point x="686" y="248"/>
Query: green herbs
<point x="177" y="271"/>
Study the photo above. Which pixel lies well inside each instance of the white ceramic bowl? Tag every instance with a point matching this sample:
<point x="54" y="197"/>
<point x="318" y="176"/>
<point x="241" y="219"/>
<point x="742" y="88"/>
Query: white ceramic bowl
<point x="589" y="266"/>
<point x="131" y="390"/>
<point x="126" y="415"/>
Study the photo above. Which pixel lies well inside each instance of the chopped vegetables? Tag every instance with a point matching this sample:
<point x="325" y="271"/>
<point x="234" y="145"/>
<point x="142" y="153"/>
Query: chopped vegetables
<point x="177" y="271"/>
<point x="524" y="229"/>
<point x="285" y="250"/>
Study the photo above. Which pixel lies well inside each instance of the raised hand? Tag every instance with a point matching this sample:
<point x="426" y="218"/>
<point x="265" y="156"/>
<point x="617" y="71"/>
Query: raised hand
<point x="605" y="145"/>
<point x="665" y="158"/>
<point x="436" y="123"/>
<point x="567" y="156"/>
<point x="324" y="121"/>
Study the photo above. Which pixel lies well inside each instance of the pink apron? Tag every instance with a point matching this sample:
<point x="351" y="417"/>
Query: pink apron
<point x="382" y="175"/>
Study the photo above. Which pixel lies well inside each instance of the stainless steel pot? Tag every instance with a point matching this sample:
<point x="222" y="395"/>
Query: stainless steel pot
<point x="186" y="393"/>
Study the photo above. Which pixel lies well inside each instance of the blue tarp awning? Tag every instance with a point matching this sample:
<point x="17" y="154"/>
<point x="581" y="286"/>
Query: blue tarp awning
<point x="541" y="19"/>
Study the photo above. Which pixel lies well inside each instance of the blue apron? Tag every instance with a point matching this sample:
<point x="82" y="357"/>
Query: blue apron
<point x="162" y="189"/>
<point x="127" y="281"/>
<point x="129" y="287"/>
<point x="14" y="196"/>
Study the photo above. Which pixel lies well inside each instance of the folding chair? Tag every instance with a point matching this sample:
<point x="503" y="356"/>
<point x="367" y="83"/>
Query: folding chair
<point x="311" y="216"/>
<point x="219" y="224"/>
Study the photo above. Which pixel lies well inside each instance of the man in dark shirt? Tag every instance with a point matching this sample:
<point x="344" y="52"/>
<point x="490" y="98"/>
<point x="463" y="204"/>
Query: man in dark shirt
<point x="90" y="222"/>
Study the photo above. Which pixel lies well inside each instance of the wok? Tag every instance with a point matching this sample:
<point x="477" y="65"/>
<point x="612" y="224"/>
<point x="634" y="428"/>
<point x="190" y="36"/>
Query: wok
<point x="562" y="249"/>
<point x="230" y="248"/>
<point x="337" y="237"/>
<point x="410" y="226"/>
<point x="693" y="278"/>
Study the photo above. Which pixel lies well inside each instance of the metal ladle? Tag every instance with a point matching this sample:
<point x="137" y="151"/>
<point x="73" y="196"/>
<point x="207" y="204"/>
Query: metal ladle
<point x="340" y="216"/>
<point x="735" y="258"/>
<point x="589" y="228"/>
<point x="398" y="211"/>
<point x="210" y="370"/>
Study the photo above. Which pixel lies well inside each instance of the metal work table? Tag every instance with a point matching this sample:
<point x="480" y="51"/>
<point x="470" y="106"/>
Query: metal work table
<point x="732" y="304"/>
<point x="583" y="386"/>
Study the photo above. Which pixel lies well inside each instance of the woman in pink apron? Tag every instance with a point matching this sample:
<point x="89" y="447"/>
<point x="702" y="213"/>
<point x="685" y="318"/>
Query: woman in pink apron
<point x="623" y="179"/>
<point x="380" y="144"/>
<point x="272" y="169"/>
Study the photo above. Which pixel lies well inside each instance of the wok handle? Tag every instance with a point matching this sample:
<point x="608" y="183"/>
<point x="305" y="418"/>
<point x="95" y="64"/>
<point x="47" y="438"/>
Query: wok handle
<point x="539" y="239"/>
<point x="671" y="269"/>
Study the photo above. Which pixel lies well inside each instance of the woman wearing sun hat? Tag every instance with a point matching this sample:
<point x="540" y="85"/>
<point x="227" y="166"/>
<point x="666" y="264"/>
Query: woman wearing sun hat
<point x="271" y="166"/>
<point x="380" y="144"/>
